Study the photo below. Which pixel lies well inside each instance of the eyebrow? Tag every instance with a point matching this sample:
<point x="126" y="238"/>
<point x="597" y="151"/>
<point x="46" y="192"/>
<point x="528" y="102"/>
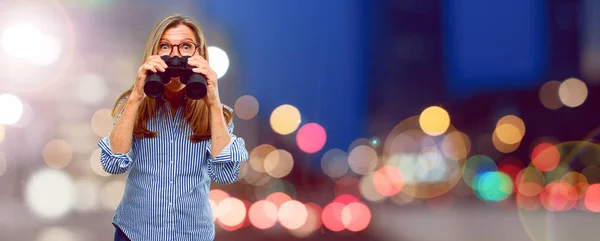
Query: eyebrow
<point x="185" y="39"/>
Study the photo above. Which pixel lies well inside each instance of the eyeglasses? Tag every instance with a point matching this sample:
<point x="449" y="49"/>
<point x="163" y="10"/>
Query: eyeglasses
<point x="184" y="49"/>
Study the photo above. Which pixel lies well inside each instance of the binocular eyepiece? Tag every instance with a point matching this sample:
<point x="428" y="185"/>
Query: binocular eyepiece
<point x="195" y="84"/>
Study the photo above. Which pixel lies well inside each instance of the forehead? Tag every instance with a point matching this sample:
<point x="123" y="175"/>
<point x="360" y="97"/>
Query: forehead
<point x="179" y="33"/>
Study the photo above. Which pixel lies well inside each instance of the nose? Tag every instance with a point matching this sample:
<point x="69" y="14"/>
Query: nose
<point x="174" y="52"/>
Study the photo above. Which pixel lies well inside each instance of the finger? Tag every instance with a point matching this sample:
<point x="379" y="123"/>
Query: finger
<point x="157" y="59"/>
<point x="150" y="67"/>
<point x="159" y="67"/>
<point x="158" y="62"/>
<point x="201" y="70"/>
<point x="195" y="63"/>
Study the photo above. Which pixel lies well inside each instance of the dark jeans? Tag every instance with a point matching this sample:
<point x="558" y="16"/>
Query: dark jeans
<point x="120" y="235"/>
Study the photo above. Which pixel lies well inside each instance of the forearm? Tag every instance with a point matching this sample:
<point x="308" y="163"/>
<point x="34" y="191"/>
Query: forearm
<point x="220" y="137"/>
<point x="121" y="135"/>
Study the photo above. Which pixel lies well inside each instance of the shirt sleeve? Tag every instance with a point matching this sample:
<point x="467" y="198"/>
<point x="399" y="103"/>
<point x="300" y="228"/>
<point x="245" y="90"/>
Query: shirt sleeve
<point x="115" y="163"/>
<point x="225" y="167"/>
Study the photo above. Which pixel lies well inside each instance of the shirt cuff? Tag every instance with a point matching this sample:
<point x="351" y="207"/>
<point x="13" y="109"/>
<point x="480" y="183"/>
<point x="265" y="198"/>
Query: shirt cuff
<point x="225" y="155"/>
<point x="123" y="159"/>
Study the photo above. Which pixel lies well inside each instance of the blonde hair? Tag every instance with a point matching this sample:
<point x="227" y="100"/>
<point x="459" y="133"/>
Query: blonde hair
<point x="196" y="112"/>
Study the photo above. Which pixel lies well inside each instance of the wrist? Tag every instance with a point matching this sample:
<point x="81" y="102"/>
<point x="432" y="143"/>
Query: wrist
<point x="216" y="112"/>
<point x="134" y="101"/>
<point x="216" y="109"/>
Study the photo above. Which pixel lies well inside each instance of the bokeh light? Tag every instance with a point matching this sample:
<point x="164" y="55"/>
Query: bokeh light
<point x="285" y="119"/>
<point x="549" y="95"/>
<point x="292" y="214"/>
<point x="388" y="181"/>
<point x="335" y="163"/>
<point x="502" y="146"/>
<point x="362" y="159"/>
<point x="11" y="109"/>
<point x="263" y="214"/>
<point x="456" y="145"/>
<point x="218" y="60"/>
<point x="475" y="166"/>
<point x="278" y="198"/>
<point x="434" y="120"/>
<point x="50" y="193"/>
<point x="258" y="155"/>
<point x="311" y="138"/>
<point x="545" y="157"/>
<point x="530" y="181"/>
<point x="592" y="198"/>
<point x="279" y="163"/>
<point x="87" y="196"/>
<point x="102" y="122"/>
<point x="558" y="196"/>
<point x="246" y="107"/>
<point x="360" y="142"/>
<point x="47" y="51"/>
<point x="57" y="153"/>
<point x="96" y="165"/>
<point x="332" y="216"/>
<point x="493" y="186"/>
<point x="368" y="190"/>
<point x="218" y="195"/>
<point x="356" y="216"/>
<point x="510" y="129"/>
<point x="20" y="34"/>
<point x="231" y="211"/>
<point x="572" y="92"/>
<point x="313" y="221"/>
<point x="577" y="181"/>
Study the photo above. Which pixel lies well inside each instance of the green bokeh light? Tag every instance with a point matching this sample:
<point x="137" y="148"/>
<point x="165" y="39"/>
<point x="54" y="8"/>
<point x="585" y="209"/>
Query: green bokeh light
<point x="492" y="186"/>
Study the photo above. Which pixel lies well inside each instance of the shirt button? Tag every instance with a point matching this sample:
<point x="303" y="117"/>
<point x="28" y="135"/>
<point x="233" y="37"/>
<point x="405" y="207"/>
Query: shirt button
<point x="171" y="141"/>
<point x="171" y="182"/>
<point x="170" y="204"/>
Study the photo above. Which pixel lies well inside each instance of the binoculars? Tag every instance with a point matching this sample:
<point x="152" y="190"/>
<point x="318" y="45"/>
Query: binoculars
<point x="195" y="84"/>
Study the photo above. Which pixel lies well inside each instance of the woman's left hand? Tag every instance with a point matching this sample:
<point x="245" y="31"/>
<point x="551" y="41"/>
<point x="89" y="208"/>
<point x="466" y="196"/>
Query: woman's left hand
<point x="202" y="67"/>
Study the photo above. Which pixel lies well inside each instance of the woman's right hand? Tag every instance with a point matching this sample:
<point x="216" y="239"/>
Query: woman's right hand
<point x="153" y="63"/>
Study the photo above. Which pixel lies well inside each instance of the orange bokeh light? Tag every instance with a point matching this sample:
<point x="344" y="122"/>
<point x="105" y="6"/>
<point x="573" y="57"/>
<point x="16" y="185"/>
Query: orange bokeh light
<point x="545" y="157"/>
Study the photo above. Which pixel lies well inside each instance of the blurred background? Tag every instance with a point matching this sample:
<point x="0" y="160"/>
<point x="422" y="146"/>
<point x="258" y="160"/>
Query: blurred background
<point x="390" y="120"/>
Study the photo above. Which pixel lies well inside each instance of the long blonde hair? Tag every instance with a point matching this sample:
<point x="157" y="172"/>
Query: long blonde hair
<point x="196" y="112"/>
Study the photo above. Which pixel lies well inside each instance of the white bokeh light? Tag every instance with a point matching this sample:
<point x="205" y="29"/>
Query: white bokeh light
<point x="91" y="88"/>
<point x="21" y="40"/>
<point x="11" y="109"/>
<point x="48" y="50"/>
<point x="87" y="197"/>
<point x="50" y="193"/>
<point x="218" y="60"/>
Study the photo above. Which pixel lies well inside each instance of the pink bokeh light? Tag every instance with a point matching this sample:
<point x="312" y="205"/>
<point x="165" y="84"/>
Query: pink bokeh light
<point x="311" y="138"/>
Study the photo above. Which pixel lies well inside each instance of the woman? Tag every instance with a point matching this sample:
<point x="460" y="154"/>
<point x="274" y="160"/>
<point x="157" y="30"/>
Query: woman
<point x="171" y="148"/>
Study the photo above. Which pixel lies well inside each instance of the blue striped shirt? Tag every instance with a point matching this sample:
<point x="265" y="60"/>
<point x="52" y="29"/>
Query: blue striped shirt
<point x="168" y="181"/>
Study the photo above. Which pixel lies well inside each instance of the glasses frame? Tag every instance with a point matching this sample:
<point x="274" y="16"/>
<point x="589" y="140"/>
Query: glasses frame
<point x="178" y="49"/>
